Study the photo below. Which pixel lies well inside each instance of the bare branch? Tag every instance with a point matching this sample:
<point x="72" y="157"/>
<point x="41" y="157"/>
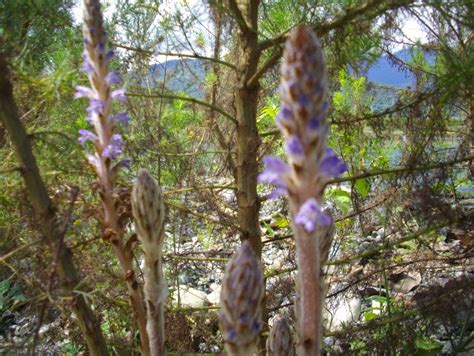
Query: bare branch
<point x="173" y="54"/>
<point x="185" y="98"/>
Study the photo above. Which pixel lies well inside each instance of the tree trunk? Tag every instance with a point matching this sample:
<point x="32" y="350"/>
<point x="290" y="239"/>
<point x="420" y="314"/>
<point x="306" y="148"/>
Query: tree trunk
<point x="46" y="214"/>
<point x="248" y="141"/>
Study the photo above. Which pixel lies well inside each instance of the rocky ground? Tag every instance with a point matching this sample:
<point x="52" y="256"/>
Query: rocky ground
<point x="429" y="281"/>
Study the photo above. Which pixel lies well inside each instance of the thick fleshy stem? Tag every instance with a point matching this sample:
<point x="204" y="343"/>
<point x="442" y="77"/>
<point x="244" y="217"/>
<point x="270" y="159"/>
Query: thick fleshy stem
<point x="149" y="214"/>
<point x="108" y="147"/>
<point x="241" y="300"/>
<point x="279" y="342"/>
<point x="311" y="164"/>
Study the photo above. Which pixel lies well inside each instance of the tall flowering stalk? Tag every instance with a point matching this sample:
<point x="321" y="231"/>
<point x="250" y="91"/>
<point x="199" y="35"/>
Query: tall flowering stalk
<point x="241" y="302"/>
<point x="149" y="213"/>
<point x="107" y="145"/>
<point x="311" y="164"/>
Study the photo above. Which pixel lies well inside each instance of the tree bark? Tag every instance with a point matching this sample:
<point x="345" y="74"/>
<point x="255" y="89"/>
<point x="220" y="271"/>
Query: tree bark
<point x="248" y="140"/>
<point x="46" y="214"/>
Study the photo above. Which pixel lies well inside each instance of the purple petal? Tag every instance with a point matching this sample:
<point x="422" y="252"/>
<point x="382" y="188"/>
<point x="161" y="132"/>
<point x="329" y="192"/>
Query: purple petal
<point x="278" y="192"/>
<point x="95" y="107"/>
<point x="303" y="100"/>
<point x="331" y="165"/>
<point x="82" y="91"/>
<point x="294" y="149"/>
<point x="276" y="164"/>
<point x="109" y="55"/>
<point x="275" y="173"/>
<point x="311" y="214"/>
<point x="118" y="94"/>
<point x="86" y="135"/>
<point x="93" y="160"/>
<point x="113" y="78"/>
<point x="285" y="113"/>
<point x="87" y="67"/>
<point x="114" y="148"/>
<point x="314" y="123"/>
<point x="285" y="117"/>
<point x="121" y="117"/>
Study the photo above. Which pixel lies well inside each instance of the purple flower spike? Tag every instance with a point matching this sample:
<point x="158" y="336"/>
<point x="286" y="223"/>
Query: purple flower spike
<point x="121" y="117"/>
<point x="86" y="135"/>
<point x="294" y="149"/>
<point x="310" y="215"/>
<point x="118" y="94"/>
<point x="82" y="91"/>
<point x="331" y="165"/>
<point x="114" y="148"/>
<point x="113" y="78"/>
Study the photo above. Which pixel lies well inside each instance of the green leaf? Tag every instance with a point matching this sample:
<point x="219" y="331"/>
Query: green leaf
<point x="378" y="298"/>
<point x="4" y="286"/>
<point x="281" y="222"/>
<point x="342" y="199"/>
<point x="370" y="316"/>
<point x="269" y="230"/>
<point x="427" y="344"/>
<point x="363" y="187"/>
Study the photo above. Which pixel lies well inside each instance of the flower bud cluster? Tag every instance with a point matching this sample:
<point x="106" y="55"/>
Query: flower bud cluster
<point x="241" y="302"/>
<point x="107" y="143"/>
<point x="149" y="212"/>
<point x="302" y="121"/>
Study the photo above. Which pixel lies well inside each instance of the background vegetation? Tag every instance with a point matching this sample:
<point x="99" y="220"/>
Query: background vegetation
<point x="202" y="81"/>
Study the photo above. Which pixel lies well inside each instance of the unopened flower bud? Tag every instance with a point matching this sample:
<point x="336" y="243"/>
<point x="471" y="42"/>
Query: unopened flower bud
<point x="148" y="211"/>
<point x="241" y="299"/>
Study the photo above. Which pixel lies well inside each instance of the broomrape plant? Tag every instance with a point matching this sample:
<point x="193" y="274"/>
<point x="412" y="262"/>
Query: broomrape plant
<point x="311" y="164"/>
<point x="108" y="148"/>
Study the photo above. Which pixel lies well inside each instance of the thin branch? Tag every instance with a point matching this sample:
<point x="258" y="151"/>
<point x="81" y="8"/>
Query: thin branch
<point x="15" y="251"/>
<point x="345" y="19"/>
<point x="182" y="207"/>
<point x="273" y="60"/>
<point x="408" y="169"/>
<point x="11" y="170"/>
<point x="173" y="54"/>
<point x="198" y="259"/>
<point x="197" y="188"/>
<point x="185" y="98"/>
<point x="51" y="132"/>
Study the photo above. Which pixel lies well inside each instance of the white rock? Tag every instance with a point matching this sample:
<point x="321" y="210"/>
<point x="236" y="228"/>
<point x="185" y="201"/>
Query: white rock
<point x="214" y="296"/>
<point x="346" y="311"/>
<point x="189" y="297"/>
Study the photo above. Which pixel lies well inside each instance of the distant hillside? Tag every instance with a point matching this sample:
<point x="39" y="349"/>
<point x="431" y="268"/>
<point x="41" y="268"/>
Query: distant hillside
<point x="182" y="75"/>
<point x="188" y="76"/>
<point x="384" y="71"/>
